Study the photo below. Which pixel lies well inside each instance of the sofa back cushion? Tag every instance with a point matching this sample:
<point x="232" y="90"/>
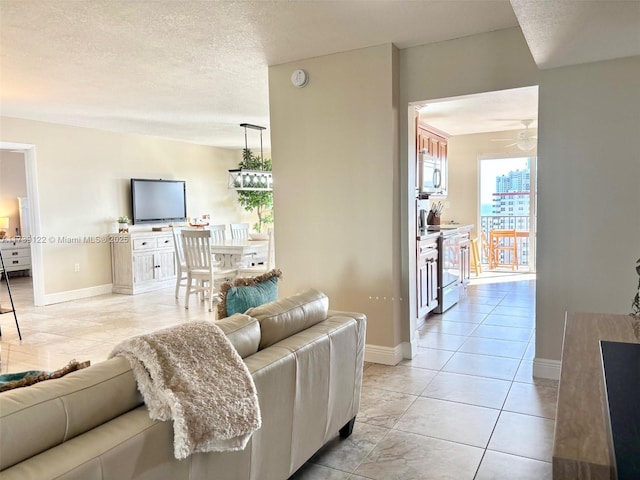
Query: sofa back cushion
<point x="243" y="332"/>
<point x="36" y="418"/>
<point x="289" y="315"/>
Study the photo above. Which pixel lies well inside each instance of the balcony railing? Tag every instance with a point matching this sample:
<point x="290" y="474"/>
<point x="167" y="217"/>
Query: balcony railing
<point x="507" y="222"/>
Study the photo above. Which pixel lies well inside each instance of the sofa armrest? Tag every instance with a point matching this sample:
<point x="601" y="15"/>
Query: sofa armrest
<point x="360" y="317"/>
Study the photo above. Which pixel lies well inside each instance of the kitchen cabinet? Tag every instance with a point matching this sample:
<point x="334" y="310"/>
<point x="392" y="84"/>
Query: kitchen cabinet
<point x="443" y="268"/>
<point x="435" y="143"/>
<point x="142" y="261"/>
<point x="427" y="275"/>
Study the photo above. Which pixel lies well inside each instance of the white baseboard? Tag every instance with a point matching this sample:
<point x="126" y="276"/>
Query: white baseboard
<point x="383" y="355"/>
<point x="545" y="368"/>
<point x="410" y="349"/>
<point x="52" y="298"/>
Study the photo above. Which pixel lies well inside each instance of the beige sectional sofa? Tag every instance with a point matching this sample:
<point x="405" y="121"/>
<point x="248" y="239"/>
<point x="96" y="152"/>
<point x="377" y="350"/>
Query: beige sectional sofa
<point x="305" y="360"/>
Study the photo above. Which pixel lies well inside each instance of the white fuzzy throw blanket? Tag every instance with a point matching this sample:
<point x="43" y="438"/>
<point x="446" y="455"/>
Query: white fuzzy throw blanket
<point x="193" y="375"/>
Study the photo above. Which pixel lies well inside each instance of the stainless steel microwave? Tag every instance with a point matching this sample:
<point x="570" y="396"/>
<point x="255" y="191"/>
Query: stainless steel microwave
<point x="431" y="174"/>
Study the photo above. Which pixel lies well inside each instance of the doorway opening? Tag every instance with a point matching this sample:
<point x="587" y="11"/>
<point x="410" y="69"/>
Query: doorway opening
<point x="30" y="212"/>
<point x="488" y="125"/>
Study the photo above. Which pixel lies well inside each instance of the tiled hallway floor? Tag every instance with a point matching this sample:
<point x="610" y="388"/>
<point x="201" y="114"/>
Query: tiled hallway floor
<point x="466" y="407"/>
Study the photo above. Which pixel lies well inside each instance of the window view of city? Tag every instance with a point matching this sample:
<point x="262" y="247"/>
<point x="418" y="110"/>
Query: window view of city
<point x="505" y="196"/>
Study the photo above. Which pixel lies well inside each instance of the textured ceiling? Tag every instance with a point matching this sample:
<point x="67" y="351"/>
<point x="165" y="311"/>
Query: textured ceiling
<point x="485" y="112"/>
<point x="195" y="70"/>
<point x="569" y="32"/>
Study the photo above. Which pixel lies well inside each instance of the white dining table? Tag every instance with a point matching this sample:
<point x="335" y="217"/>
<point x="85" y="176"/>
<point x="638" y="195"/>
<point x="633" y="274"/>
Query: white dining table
<point x="231" y="252"/>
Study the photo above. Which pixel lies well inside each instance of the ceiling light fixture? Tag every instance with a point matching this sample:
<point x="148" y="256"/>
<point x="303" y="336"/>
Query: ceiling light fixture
<point x="526" y="140"/>
<point x="526" y="143"/>
<point x="244" y="179"/>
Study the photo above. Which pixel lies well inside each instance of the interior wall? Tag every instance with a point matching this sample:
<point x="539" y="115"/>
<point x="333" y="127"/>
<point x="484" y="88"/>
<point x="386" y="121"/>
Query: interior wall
<point x="83" y="185"/>
<point x="487" y="62"/>
<point x="336" y="176"/>
<point x="588" y="194"/>
<point x="464" y="175"/>
<point x="13" y="184"/>
<point x="333" y="145"/>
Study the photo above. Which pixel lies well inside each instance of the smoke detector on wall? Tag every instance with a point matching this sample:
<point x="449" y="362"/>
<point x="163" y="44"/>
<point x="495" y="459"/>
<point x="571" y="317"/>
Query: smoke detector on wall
<point x="526" y="140"/>
<point x="299" y="78"/>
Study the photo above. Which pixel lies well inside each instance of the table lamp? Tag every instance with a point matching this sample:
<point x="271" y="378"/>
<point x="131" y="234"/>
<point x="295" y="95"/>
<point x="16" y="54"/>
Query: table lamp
<point x="4" y="225"/>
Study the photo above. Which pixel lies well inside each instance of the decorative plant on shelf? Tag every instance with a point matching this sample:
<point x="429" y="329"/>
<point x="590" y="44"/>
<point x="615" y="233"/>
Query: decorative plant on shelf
<point x="123" y="224"/>
<point x="260" y="201"/>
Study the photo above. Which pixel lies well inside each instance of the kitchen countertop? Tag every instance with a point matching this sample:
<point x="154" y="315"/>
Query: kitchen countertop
<point x="445" y="227"/>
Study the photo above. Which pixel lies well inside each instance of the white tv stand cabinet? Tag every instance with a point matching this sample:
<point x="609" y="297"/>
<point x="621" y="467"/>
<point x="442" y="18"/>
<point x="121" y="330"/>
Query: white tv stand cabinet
<point x="142" y="261"/>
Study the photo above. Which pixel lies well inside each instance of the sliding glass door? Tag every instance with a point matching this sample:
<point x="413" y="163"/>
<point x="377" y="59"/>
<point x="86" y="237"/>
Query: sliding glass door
<point x="508" y="203"/>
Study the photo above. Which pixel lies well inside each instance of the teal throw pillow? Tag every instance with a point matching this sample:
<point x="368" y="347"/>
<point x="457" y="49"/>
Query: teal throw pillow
<point x="245" y="293"/>
<point x="14" y="377"/>
<point x="9" y="381"/>
<point x="241" y="299"/>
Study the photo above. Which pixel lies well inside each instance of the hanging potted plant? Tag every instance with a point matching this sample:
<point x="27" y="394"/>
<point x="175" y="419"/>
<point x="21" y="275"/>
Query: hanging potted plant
<point x="258" y="201"/>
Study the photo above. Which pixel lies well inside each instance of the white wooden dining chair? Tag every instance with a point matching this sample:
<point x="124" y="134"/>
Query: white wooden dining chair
<point x="239" y="231"/>
<point x="181" y="265"/>
<point x="202" y="270"/>
<point x="218" y="233"/>
<point x="260" y="268"/>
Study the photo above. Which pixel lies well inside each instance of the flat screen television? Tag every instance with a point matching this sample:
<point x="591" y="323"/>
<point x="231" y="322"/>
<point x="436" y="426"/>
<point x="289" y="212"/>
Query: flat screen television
<point x="157" y="201"/>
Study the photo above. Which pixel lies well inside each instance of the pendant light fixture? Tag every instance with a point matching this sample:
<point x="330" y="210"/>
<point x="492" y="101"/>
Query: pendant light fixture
<point x="244" y="179"/>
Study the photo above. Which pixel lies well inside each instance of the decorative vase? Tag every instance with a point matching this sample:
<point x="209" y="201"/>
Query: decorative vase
<point x="123" y="228"/>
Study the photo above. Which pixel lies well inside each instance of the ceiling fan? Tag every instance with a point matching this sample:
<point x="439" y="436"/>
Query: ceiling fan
<point x="526" y="140"/>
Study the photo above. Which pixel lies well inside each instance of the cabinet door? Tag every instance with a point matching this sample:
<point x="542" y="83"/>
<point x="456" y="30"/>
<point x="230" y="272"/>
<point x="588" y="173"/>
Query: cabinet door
<point x="427" y="282"/>
<point x="144" y="267"/>
<point x="166" y="265"/>
<point x="444" y="166"/>
<point x="434" y="147"/>
<point x="442" y="149"/>
<point x="465" y="264"/>
<point x="432" y="281"/>
<point x="423" y="142"/>
<point x="423" y="285"/>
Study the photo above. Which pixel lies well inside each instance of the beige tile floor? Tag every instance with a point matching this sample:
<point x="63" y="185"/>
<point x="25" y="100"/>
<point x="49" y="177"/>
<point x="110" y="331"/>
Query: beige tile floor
<point x="466" y="407"/>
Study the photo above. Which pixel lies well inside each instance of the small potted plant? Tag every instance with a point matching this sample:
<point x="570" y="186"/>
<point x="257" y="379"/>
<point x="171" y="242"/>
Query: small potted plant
<point x="123" y="224"/>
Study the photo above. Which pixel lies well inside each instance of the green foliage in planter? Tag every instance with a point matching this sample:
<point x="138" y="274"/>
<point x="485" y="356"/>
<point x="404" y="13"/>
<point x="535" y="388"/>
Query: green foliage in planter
<point x="260" y="201"/>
